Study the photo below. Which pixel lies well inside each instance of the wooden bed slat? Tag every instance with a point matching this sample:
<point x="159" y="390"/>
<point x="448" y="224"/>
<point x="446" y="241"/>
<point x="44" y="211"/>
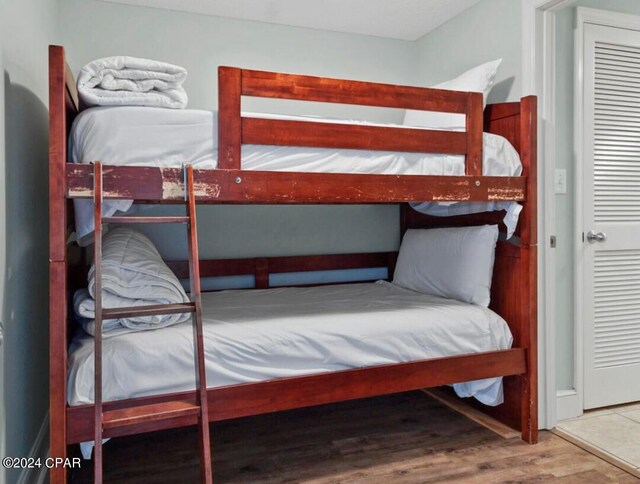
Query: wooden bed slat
<point x="278" y="265"/>
<point x="343" y="91"/>
<point x="243" y="186"/>
<point x="280" y="132"/>
<point x="295" y="392"/>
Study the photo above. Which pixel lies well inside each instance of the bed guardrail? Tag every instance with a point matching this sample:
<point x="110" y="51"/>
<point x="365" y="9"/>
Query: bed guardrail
<point x="236" y="130"/>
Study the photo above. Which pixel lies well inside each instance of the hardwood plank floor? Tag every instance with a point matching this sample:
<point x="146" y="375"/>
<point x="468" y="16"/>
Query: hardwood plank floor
<point x="405" y="438"/>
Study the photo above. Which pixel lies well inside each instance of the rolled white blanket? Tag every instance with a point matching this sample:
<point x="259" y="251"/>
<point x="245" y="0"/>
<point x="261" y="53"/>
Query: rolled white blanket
<point x="133" y="274"/>
<point x="131" y="81"/>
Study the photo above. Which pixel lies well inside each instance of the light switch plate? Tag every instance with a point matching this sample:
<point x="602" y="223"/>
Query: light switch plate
<point x="561" y="181"/>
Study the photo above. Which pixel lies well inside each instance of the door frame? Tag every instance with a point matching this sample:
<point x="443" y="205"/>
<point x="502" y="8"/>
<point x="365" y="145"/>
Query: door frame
<point x="608" y="19"/>
<point x="538" y="77"/>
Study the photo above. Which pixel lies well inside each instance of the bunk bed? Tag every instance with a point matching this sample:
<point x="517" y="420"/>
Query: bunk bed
<point x="514" y="287"/>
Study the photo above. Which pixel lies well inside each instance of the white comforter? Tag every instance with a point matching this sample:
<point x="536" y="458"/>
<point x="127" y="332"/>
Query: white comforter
<point x="257" y="335"/>
<point x="130" y="81"/>
<point x="133" y="274"/>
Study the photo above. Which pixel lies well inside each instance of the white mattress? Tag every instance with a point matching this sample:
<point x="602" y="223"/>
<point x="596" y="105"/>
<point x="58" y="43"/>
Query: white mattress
<point x="257" y="335"/>
<point x="145" y="136"/>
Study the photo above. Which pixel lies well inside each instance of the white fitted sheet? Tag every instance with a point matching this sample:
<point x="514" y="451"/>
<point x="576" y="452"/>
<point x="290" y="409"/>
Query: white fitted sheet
<point x="257" y="335"/>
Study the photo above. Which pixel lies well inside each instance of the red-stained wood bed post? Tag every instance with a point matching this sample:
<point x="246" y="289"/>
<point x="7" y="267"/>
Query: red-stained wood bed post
<point x="529" y="242"/>
<point x="229" y="117"/>
<point x="63" y="105"/>
<point x="57" y="265"/>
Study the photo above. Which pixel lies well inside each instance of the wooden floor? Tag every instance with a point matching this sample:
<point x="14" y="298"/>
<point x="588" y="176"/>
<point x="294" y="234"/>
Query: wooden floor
<point x="406" y="438"/>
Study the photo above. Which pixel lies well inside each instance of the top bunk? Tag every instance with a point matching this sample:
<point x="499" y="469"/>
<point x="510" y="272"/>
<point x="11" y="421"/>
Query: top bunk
<point x="232" y="180"/>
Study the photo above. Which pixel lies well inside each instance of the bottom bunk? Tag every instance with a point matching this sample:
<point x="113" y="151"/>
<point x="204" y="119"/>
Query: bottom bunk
<point x="289" y="347"/>
<point x="260" y="335"/>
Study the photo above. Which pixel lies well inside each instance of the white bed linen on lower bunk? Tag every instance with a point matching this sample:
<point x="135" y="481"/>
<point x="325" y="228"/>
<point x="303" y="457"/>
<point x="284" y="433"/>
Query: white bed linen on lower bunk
<point x="144" y="136"/>
<point x="258" y="335"/>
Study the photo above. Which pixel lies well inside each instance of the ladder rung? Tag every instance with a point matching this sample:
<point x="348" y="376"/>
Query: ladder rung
<point x="149" y="310"/>
<point x="146" y="220"/>
<point x="148" y="413"/>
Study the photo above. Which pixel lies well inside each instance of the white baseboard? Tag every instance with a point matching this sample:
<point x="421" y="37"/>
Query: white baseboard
<point x="568" y="405"/>
<point x="39" y="450"/>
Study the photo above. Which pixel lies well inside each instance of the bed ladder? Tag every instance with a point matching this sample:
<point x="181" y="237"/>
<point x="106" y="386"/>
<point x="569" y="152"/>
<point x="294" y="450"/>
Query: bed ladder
<point x="175" y="410"/>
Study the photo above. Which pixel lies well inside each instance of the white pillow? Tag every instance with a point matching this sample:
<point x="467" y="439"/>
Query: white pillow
<point x="455" y="263"/>
<point x="478" y="79"/>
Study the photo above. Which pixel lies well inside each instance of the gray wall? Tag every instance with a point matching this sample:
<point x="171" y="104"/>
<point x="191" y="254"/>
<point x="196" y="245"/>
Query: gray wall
<point x="3" y="266"/>
<point x="565" y="222"/>
<point x="201" y="43"/>
<point x="26" y="28"/>
<point x="488" y="30"/>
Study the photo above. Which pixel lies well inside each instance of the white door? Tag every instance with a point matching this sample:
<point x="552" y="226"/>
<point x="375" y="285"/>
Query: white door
<point x="611" y="215"/>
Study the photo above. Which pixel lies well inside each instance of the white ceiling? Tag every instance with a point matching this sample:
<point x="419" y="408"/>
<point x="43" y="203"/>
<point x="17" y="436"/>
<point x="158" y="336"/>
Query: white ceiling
<point x="395" y="19"/>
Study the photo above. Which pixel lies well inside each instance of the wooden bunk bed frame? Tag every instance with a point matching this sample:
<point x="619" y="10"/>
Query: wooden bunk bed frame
<point x="514" y="289"/>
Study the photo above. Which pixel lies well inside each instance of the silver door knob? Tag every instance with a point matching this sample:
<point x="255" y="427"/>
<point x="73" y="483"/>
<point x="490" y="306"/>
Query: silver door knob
<point x="593" y="237"/>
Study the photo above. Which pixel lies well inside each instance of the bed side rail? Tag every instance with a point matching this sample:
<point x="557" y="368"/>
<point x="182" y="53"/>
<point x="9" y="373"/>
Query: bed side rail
<point x="263" y="267"/>
<point x="235" y="130"/>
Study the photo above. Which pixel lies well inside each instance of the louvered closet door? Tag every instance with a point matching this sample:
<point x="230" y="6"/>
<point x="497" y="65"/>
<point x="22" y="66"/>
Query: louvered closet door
<point x="611" y="187"/>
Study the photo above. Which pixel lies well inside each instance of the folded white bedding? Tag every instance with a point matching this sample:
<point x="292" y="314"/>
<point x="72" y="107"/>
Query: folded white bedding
<point x="257" y="335"/>
<point x="169" y="138"/>
<point x="131" y="81"/>
<point x="133" y="274"/>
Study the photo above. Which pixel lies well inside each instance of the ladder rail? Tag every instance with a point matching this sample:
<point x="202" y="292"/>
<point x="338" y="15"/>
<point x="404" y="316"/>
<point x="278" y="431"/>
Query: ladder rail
<point x="97" y="351"/>
<point x="169" y="409"/>
<point x="198" y="333"/>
